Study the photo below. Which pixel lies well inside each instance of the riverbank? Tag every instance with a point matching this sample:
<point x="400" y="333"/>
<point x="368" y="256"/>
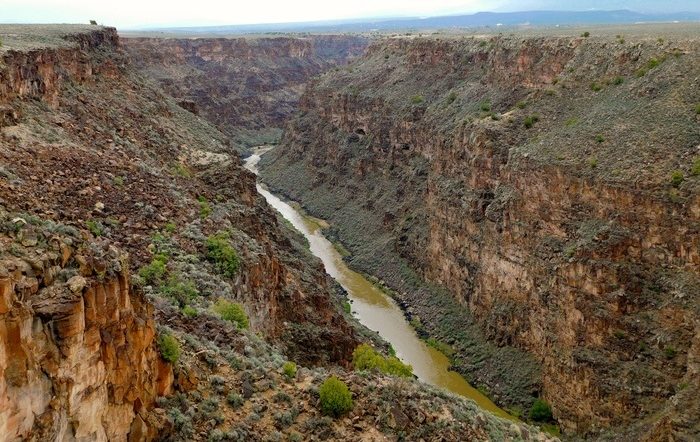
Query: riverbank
<point x="373" y="307"/>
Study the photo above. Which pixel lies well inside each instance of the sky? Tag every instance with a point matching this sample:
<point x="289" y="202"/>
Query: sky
<point x="126" y="14"/>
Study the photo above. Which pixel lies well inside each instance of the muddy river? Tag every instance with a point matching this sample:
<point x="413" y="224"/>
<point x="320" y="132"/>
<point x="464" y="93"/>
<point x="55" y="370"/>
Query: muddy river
<point x="372" y="307"/>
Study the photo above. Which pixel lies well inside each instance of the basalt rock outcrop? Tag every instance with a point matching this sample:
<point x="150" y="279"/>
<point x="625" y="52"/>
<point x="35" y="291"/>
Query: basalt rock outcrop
<point x="77" y="343"/>
<point x="549" y="185"/>
<point x="247" y="87"/>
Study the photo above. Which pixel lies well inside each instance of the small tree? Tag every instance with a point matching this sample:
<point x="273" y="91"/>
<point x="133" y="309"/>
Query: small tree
<point x="336" y="399"/>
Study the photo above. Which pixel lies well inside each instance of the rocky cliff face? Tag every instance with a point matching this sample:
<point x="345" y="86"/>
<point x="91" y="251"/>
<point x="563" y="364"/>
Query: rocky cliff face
<point x="247" y="87"/>
<point x="151" y="164"/>
<point x="124" y="224"/>
<point x="533" y="180"/>
<point x="77" y="353"/>
<point x="88" y="143"/>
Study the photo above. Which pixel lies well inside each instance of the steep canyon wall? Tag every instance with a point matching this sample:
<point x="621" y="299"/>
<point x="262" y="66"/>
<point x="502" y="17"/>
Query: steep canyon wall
<point x="247" y="86"/>
<point x="532" y="180"/>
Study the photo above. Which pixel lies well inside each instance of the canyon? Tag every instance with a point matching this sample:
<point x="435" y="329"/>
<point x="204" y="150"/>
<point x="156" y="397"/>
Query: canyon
<point x="247" y="87"/>
<point x="533" y="203"/>
<point x="129" y="230"/>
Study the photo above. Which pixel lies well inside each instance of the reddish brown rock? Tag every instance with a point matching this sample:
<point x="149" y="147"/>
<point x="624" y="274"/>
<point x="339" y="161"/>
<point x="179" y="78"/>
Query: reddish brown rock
<point x="70" y="371"/>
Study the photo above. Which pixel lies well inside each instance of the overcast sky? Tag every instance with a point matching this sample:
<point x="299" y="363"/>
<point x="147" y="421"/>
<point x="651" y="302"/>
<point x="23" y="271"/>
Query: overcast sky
<point x="148" y="13"/>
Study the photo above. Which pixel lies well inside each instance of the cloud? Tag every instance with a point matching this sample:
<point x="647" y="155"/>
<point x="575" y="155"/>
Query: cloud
<point x="152" y="13"/>
<point x="134" y="13"/>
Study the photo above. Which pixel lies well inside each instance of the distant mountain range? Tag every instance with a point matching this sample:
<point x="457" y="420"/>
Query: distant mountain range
<point x="478" y="20"/>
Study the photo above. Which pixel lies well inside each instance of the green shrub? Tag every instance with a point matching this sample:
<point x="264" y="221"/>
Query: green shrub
<point x="586" y="34"/>
<point x="170" y="227"/>
<point x="695" y="170"/>
<point x="347" y="308"/>
<point x="220" y="252"/>
<point x="670" y="352"/>
<point x="366" y="358"/>
<point x="551" y="429"/>
<point x="417" y="99"/>
<point x="515" y="411"/>
<point x="530" y="121"/>
<point x="181" y="170"/>
<point x="169" y="348"/>
<point x="235" y="400"/>
<point x="335" y="397"/>
<point x="284" y="419"/>
<point x="676" y="178"/>
<point x="416" y="323"/>
<point x="485" y="106"/>
<point x="452" y="97"/>
<point x="571" y="122"/>
<point x="521" y="104"/>
<point x="118" y="181"/>
<point x="182" y="423"/>
<point x="593" y="162"/>
<point x="541" y="411"/>
<point x="189" y="311"/>
<point x="619" y="334"/>
<point x="95" y="227"/>
<point x="290" y="369"/>
<point x="596" y="87"/>
<point x="231" y="311"/>
<point x="440" y="346"/>
<point x="618" y="81"/>
<point x="653" y="63"/>
<point x="599" y="138"/>
<point x="182" y="292"/>
<point x="697" y="109"/>
<point x="281" y="396"/>
<point x="154" y="272"/>
<point x="204" y="208"/>
<point x="395" y="367"/>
